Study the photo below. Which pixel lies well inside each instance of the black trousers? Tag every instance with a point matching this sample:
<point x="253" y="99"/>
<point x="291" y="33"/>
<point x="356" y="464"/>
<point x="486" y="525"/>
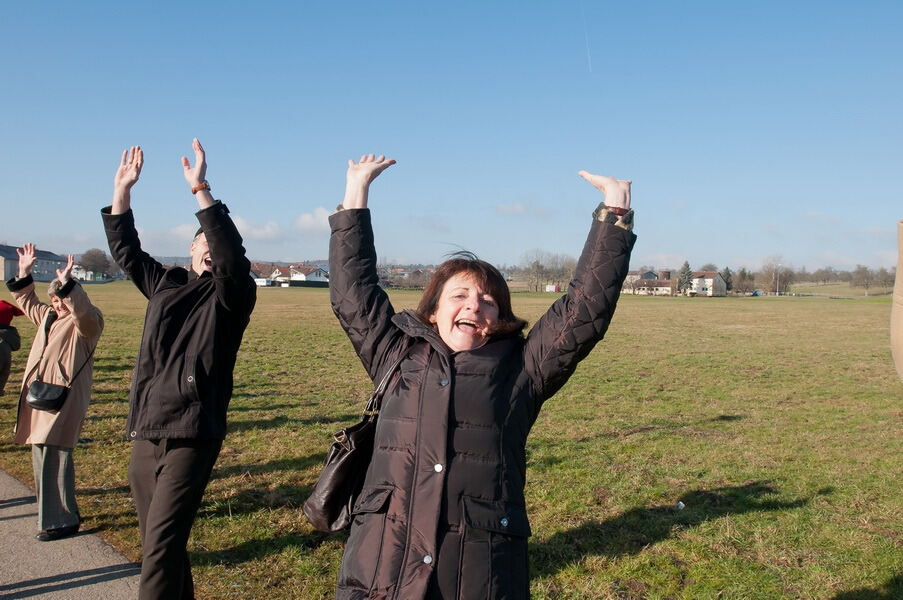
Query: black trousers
<point x="168" y="478"/>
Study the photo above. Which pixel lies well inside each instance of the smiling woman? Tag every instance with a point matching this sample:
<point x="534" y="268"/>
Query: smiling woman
<point x="442" y="512"/>
<point x="468" y="300"/>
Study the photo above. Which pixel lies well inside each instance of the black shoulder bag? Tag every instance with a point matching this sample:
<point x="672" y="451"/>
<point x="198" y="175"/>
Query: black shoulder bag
<point x="330" y="504"/>
<point x="50" y="396"/>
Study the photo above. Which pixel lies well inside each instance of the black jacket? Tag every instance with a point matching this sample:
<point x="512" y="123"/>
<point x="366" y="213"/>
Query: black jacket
<point x="442" y="512"/>
<point x="193" y="327"/>
<point x="10" y="335"/>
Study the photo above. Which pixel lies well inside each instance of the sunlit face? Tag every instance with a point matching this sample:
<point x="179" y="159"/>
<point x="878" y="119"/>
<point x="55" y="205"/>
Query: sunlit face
<point x="465" y="313"/>
<point x="200" y="255"/>
<point x="59" y="306"/>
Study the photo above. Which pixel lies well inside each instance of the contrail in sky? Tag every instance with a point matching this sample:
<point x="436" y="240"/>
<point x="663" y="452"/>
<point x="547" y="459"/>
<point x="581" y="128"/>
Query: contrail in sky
<point x="589" y="58"/>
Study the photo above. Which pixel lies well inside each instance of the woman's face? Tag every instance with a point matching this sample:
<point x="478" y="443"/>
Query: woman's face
<point x="59" y="306"/>
<point x="465" y="313"/>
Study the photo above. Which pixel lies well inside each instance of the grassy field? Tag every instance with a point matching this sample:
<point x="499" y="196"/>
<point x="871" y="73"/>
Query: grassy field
<point x="777" y="422"/>
<point x="840" y="289"/>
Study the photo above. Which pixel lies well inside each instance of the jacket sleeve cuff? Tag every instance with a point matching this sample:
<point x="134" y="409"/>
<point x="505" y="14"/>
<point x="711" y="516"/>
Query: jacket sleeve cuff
<point x="603" y="214"/>
<point x="66" y="289"/>
<point x="348" y="218"/>
<point x="213" y="215"/>
<point x="14" y="285"/>
<point x="118" y="222"/>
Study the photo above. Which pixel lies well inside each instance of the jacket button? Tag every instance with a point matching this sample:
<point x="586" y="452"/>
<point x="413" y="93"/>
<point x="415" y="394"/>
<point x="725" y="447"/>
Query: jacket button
<point x="427" y="560"/>
<point x="504" y="521"/>
<point x="437" y="468"/>
<point x="443" y="382"/>
<point x="134" y="434"/>
<point x="191" y="379"/>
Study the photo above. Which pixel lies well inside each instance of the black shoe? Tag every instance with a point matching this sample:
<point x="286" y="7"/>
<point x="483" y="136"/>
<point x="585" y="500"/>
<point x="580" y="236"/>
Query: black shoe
<point x="54" y="534"/>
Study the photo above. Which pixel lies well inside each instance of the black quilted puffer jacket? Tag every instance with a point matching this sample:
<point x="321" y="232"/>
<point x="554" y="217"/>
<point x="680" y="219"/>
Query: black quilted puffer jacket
<point x="442" y="513"/>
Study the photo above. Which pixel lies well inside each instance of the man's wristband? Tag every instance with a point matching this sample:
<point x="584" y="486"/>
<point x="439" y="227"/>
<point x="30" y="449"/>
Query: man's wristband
<point x="201" y="186"/>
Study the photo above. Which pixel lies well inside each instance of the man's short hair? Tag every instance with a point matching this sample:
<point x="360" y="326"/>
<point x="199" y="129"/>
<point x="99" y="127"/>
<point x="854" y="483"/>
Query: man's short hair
<point x="54" y="287"/>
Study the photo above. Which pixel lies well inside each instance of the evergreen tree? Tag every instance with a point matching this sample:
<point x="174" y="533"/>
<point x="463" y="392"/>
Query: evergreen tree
<point x="685" y="279"/>
<point x="728" y="278"/>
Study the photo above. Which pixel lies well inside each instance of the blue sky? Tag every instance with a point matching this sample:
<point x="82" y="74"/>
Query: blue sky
<point x="755" y="130"/>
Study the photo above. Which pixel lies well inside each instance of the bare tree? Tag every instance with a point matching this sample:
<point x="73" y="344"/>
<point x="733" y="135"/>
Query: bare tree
<point x="884" y="278"/>
<point x="774" y="276"/>
<point x="95" y="260"/>
<point x="863" y="277"/>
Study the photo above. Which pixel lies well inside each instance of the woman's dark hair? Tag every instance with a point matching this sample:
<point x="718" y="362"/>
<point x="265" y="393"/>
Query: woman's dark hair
<point x="486" y="276"/>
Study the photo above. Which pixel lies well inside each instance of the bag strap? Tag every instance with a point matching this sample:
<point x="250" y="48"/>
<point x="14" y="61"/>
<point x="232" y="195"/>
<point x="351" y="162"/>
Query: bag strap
<point x="51" y="317"/>
<point x="373" y="403"/>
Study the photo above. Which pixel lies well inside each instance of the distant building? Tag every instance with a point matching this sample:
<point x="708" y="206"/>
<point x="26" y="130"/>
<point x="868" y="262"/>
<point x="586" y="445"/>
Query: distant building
<point x="637" y="280"/>
<point x="653" y="287"/>
<point x="45" y="265"/>
<point x="707" y="283"/>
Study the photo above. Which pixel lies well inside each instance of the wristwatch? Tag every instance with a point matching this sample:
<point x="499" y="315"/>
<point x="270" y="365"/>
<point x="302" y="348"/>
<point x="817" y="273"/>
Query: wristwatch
<point x="201" y="186"/>
<point x="614" y="215"/>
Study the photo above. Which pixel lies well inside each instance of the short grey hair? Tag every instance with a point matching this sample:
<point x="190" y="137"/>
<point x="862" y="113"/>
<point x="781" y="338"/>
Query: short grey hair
<point x="54" y="287"/>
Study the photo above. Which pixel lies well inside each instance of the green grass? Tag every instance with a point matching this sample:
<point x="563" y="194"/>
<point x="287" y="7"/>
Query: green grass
<point x="776" y="421"/>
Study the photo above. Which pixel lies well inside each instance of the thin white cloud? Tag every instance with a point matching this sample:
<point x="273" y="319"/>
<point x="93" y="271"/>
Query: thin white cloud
<point x="184" y="232"/>
<point x="519" y="208"/>
<point x="313" y="222"/>
<point x="431" y="223"/>
<point x="269" y="231"/>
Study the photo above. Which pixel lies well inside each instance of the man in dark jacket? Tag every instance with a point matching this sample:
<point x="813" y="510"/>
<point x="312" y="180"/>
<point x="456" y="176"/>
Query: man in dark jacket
<point x="182" y="382"/>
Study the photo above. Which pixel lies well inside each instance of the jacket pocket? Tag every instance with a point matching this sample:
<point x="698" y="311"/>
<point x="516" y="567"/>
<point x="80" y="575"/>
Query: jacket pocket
<point x="189" y="379"/>
<point x="494" y="562"/>
<point x="365" y="542"/>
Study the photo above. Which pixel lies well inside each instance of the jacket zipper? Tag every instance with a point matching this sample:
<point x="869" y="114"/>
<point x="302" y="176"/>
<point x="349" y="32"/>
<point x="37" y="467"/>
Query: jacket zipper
<point x="413" y="493"/>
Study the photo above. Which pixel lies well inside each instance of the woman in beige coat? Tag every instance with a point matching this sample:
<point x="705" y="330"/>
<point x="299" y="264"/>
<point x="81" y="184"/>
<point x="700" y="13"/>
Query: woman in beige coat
<point x="896" y="313"/>
<point x="68" y="330"/>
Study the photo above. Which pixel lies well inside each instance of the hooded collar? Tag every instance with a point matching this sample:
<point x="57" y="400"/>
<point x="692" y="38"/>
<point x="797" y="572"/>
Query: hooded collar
<point x="411" y="323"/>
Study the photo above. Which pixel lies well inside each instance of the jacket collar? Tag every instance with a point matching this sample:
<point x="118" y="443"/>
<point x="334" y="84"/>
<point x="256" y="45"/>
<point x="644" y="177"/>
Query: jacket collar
<point x="414" y="326"/>
<point x="410" y="323"/>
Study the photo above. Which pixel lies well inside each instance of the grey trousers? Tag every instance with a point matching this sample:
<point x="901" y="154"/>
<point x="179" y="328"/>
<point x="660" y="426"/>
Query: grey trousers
<point x="54" y="482"/>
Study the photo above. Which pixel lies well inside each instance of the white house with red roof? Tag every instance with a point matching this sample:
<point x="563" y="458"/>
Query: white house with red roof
<point x="707" y="283"/>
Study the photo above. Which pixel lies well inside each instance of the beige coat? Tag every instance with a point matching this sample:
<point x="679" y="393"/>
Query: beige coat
<point x="896" y="312"/>
<point x="70" y="342"/>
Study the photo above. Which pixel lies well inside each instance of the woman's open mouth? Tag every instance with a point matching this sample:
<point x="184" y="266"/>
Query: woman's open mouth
<point x="469" y="327"/>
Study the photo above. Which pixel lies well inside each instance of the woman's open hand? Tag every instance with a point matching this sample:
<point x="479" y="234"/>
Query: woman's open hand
<point x="26" y="260"/>
<point x="66" y="273"/>
<point x="360" y="175"/>
<point x="617" y="191"/>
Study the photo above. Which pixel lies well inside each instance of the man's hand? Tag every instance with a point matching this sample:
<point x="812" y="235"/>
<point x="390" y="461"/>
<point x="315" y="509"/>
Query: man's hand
<point x="26" y="260"/>
<point x="129" y="168"/>
<point x="65" y="274"/>
<point x="198" y="175"/>
<point x="360" y="175"/>
<point x="194" y="176"/>
<point x="126" y="176"/>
